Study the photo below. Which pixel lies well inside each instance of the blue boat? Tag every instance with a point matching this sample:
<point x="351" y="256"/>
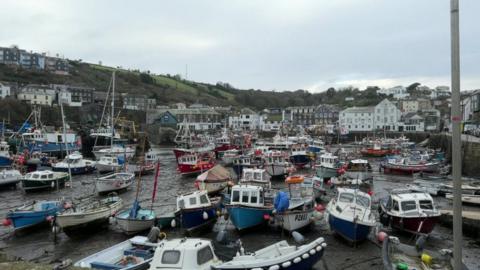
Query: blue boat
<point x="299" y="156"/>
<point x="196" y="210"/>
<point x="48" y="142"/>
<point x="247" y="207"/>
<point x="75" y="164"/>
<point x="349" y="214"/>
<point x="135" y="219"/>
<point x="33" y="214"/>
<point x="5" y="157"/>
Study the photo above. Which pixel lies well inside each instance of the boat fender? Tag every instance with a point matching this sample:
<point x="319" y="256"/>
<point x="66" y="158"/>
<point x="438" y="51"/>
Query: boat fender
<point x="205" y="215"/>
<point x="257" y="268"/>
<point x="221" y="236"/>
<point x="312" y="251"/>
<point x="7" y="222"/>
<point x="298" y="237"/>
<point x="129" y="260"/>
<point x="305" y="256"/>
<point x="173" y="224"/>
<point x="53" y="184"/>
<point x="320" y="240"/>
<point x="274" y="267"/>
<point x="55" y="229"/>
<point x="318" y="248"/>
<point x="286" y="264"/>
<point x="426" y="259"/>
<point x="324" y="245"/>
<point x="297" y="260"/>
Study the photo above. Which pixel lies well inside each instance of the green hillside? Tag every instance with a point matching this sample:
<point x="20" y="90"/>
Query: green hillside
<point x="171" y="89"/>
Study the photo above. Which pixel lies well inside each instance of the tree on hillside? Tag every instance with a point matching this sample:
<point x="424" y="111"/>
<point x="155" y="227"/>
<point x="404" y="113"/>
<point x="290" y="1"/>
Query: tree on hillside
<point x="412" y="88"/>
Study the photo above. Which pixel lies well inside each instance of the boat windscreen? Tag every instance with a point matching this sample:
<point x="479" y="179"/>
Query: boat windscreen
<point x="363" y="201"/>
<point x="408" y="205"/>
<point x="426" y="204"/>
<point x="346" y="197"/>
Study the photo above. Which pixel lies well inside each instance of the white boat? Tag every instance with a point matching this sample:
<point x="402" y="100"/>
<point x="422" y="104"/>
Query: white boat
<point x="350" y="215"/>
<point x="75" y="164"/>
<point x="229" y="155"/>
<point x="132" y="254"/>
<point x="152" y="156"/>
<point x="9" y="177"/>
<point x="214" y="180"/>
<point x="114" y="182"/>
<point x="198" y="254"/>
<point x="433" y="188"/>
<point x="133" y="221"/>
<point x="467" y="199"/>
<point x="116" y="150"/>
<point x="275" y="163"/>
<point x="256" y="177"/>
<point x="358" y="169"/>
<point x="39" y="180"/>
<point x="294" y="210"/>
<point x="328" y="165"/>
<point x="88" y="214"/>
<point x="109" y="163"/>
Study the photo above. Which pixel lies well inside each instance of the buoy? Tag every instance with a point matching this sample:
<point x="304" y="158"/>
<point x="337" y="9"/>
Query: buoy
<point x="7" y="222"/>
<point x="53" y="184"/>
<point x="221" y="236"/>
<point x="297" y="260"/>
<point x="266" y="217"/>
<point x="381" y="236"/>
<point x="427" y="259"/>
<point x="173" y="223"/>
<point x="320" y="208"/>
<point x="402" y="266"/>
<point x="205" y="215"/>
<point x="370" y="192"/>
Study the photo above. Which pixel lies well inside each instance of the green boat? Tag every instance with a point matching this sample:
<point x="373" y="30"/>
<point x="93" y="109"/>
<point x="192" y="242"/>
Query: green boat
<point x="40" y="180"/>
<point x="328" y="166"/>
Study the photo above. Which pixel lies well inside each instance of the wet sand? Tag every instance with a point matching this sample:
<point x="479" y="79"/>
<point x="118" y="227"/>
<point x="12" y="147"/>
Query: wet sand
<point x="38" y="244"/>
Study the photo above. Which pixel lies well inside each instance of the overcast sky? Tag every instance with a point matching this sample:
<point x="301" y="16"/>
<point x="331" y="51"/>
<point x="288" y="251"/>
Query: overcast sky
<point x="270" y="45"/>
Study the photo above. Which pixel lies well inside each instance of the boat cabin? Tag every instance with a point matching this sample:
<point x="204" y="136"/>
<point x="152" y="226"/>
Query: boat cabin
<point x="273" y="157"/>
<point x="247" y="195"/>
<point x="328" y="160"/>
<point x="4" y="147"/>
<point x="193" y="200"/>
<point x="185" y="253"/>
<point x="40" y="175"/>
<point x="298" y="149"/>
<point x="251" y="174"/>
<point x="360" y="165"/>
<point x="110" y="160"/>
<point x="188" y="159"/>
<point x="242" y="160"/>
<point x="402" y="202"/>
<point x="353" y="196"/>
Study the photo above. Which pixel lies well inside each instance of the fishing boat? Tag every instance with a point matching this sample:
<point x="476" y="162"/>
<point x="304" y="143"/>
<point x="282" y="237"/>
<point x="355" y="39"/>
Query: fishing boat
<point x="192" y="164"/>
<point x="40" y="180"/>
<point x="143" y="168"/>
<point x="33" y="213"/>
<point x="53" y="142"/>
<point x="298" y="156"/>
<point x="328" y="167"/>
<point x="379" y="150"/>
<point x="110" y="163"/>
<point x="256" y="177"/>
<point x="466" y="199"/>
<point x="275" y="163"/>
<point x="408" y="166"/>
<point x="223" y="144"/>
<point x="247" y="207"/>
<point x="5" y="156"/>
<point x="241" y="162"/>
<point x="411" y="212"/>
<point x="358" y="169"/>
<point x="396" y="255"/>
<point x="90" y="214"/>
<point x="74" y="163"/>
<point x="114" y="182"/>
<point x="196" y="210"/>
<point x="229" y="155"/>
<point x="214" y="180"/>
<point x="294" y="210"/>
<point x="152" y="156"/>
<point x="349" y="214"/>
<point x="9" y="178"/>
<point x="316" y="147"/>
<point x="197" y="253"/>
<point x="133" y="254"/>
<point x="119" y="151"/>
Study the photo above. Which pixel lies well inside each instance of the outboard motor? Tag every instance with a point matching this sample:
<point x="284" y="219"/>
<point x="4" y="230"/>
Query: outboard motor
<point x="153" y="234"/>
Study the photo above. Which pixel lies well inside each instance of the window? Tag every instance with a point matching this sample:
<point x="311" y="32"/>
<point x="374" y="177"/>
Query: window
<point x="261" y="197"/>
<point x="395" y="206"/>
<point x="363" y="201"/>
<point x="35" y="176"/>
<point x="44" y="176"/>
<point x="245" y="195"/>
<point x="236" y="196"/>
<point x="181" y="204"/>
<point x="409" y="205"/>
<point x="193" y="200"/>
<point x="203" y="199"/>
<point x="254" y="197"/>
<point x="204" y="255"/>
<point x="171" y="257"/>
<point x="346" y="197"/>
<point x="426" y="204"/>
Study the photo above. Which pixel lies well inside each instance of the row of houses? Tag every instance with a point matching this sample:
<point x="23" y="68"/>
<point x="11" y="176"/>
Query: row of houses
<point x="400" y="92"/>
<point x="15" y="56"/>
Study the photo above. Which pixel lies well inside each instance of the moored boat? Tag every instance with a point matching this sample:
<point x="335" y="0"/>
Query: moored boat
<point x="119" y="151"/>
<point x="298" y="156"/>
<point x="275" y="163"/>
<point x="109" y="163"/>
<point x="411" y="212"/>
<point x="378" y="150"/>
<point x="5" y="156"/>
<point x="328" y="167"/>
<point x="196" y="210"/>
<point x="32" y="214"/>
<point x="114" y="182"/>
<point x="349" y="214"/>
<point x="408" y="166"/>
<point x="40" y="180"/>
<point x="358" y="169"/>
<point x="75" y="164"/>
<point x="136" y="219"/>
<point x="192" y="164"/>
<point x="256" y="177"/>
<point x="214" y="180"/>
<point x="467" y="199"/>
<point x="229" y="155"/>
<point x="9" y="178"/>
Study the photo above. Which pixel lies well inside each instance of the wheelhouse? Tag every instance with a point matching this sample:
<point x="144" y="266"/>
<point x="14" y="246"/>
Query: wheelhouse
<point x="247" y="195"/>
<point x="197" y="199"/>
<point x="410" y="203"/>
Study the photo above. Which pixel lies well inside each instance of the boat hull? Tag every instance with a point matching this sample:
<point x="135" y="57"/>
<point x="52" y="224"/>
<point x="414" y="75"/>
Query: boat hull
<point x="347" y="229"/>
<point x="378" y="152"/>
<point x="50" y="148"/>
<point x="189" y="169"/>
<point x="192" y="219"/>
<point x="34" y="185"/>
<point x="105" y="186"/>
<point x="294" y="220"/>
<point x="5" y="161"/>
<point x="105" y="168"/>
<point x="144" y="221"/>
<point x="276" y="169"/>
<point x="244" y="217"/>
<point x="409" y="169"/>
<point x="414" y="225"/>
<point x="326" y="172"/>
<point x="300" y="161"/>
<point x="74" y="170"/>
<point x="21" y="220"/>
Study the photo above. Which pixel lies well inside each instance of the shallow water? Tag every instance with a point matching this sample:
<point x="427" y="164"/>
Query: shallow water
<point x="39" y="245"/>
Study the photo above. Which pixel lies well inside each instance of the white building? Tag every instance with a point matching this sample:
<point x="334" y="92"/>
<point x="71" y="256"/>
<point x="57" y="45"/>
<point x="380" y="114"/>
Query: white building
<point x="413" y="122"/>
<point x="440" y="91"/>
<point x="37" y="95"/>
<point x="397" y="92"/>
<point x="387" y="115"/>
<point x="247" y="120"/>
<point x="383" y="116"/>
<point x="4" y="90"/>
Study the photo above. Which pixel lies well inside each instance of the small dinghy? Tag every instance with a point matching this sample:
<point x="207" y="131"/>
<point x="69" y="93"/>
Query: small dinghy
<point x="9" y="178"/>
<point x="132" y="254"/>
<point x="114" y="182"/>
<point x="110" y="164"/>
<point x="32" y="214"/>
<point x="349" y="214"/>
<point x="398" y="256"/>
<point x="88" y="214"/>
<point x="135" y="219"/>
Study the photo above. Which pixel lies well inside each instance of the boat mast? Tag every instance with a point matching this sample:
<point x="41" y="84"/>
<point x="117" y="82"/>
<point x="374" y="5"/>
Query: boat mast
<point x="456" y="135"/>
<point x="66" y="144"/>
<point x="113" y="108"/>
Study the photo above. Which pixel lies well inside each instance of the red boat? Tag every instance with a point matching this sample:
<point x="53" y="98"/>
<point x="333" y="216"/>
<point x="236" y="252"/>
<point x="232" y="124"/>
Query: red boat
<point x="191" y="164"/>
<point x="379" y="151"/>
<point x="410" y="212"/>
<point x="183" y="151"/>
<point x="404" y="166"/>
